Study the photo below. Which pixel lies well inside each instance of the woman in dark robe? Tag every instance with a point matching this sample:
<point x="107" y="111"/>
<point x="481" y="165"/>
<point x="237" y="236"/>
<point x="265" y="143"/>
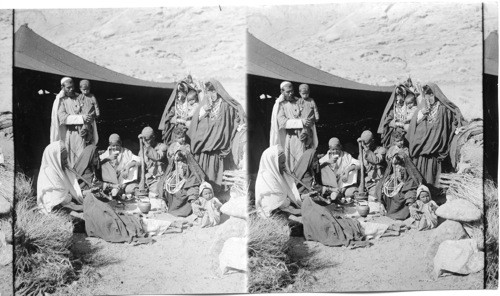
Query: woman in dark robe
<point x="433" y="130"/>
<point x="181" y="105"/>
<point x="398" y="188"/>
<point x="88" y="167"/>
<point x="180" y="183"/>
<point x="212" y="131"/>
<point x="397" y="114"/>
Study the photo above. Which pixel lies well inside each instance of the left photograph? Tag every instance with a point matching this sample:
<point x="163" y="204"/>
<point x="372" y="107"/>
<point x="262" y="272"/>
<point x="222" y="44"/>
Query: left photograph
<point x="6" y="153"/>
<point x="130" y="151"/>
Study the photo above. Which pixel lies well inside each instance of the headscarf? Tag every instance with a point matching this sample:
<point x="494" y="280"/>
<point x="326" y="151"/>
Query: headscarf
<point x="440" y="96"/>
<point x="115" y="138"/>
<point x="335" y="143"/>
<point x="171" y="101"/>
<point x="64" y="79"/>
<point x="304" y="86"/>
<point x="84" y="83"/>
<point x="147" y="132"/>
<point x="277" y="189"/>
<point x="366" y="136"/>
<point x="230" y="100"/>
<point x="54" y="183"/>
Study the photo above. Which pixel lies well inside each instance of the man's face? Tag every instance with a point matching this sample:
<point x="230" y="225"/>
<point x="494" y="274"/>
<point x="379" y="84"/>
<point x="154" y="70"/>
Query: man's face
<point x="115" y="146"/>
<point x="64" y="158"/>
<point x="287" y="92"/>
<point x="68" y="88"/>
<point x="85" y="89"/>
<point x="282" y="162"/>
<point x="334" y="150"/>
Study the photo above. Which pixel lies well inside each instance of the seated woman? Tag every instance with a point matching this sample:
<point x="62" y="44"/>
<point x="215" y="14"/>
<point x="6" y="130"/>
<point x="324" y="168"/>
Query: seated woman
<point x="56" y="185"/>
<point x="275" y="190"/>
<point x="180" y="183"/>
<point x="397" y="190"/>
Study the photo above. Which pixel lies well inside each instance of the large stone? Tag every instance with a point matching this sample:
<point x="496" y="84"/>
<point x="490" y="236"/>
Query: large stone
<point x="459" y="210"/>
<point x="5" y="206"/>
<point x="459" y="257"/>
<point x="448" y="230"/>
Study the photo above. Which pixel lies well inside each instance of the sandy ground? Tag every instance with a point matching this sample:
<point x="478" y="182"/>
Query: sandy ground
<point x="394" y="263"/>
<point x="177" y="263"/>
<point x="383" y="43"/>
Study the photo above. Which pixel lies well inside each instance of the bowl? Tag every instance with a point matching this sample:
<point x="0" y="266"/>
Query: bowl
<point x="144" y="206"/>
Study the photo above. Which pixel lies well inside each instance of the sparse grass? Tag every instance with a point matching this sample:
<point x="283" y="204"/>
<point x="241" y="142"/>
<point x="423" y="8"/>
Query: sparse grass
<point x="491" y="248"/>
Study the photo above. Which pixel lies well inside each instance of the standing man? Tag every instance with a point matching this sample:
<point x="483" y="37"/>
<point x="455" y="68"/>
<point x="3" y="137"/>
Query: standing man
<point x="71" y="118"/>
<point x="296" y="117"/>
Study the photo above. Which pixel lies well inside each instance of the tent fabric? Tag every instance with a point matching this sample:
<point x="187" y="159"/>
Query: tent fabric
<point x="266" y="61"/>
<point x="491" y="54"/>
<point x="34" y="52"/>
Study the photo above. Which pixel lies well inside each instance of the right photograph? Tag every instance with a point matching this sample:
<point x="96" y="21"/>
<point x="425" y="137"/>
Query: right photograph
<point x="366" y="126"/>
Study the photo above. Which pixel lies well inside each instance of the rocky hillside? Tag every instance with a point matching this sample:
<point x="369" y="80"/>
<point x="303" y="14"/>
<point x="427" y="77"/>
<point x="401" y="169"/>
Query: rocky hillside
<point x="381" y="44"/>
<point x="5" y="60"/>
<point x="157" y="44"/>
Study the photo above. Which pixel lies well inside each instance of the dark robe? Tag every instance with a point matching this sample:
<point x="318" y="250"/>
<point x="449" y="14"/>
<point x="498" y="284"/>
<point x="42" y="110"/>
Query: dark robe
<point x="103" y="222"/>
<point x="179" y="203"/>
<point x="212" y="139"/>
<point x="85" y="168"/>
<point x="324" y="225"/>
<point x="430" y="143"/>
<point x="397" y="206"/>
<point x="307" y="170"/>
<point x="387" y="132"/>
<point x="165" y="125"/>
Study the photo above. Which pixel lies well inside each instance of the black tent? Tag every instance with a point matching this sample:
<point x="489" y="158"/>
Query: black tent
<point x="127" y="104"/>
<point x="490" y="103"/>
<point x="346" y="107"/>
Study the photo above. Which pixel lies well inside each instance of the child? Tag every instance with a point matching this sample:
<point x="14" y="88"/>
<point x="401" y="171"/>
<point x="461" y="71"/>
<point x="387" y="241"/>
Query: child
<point x="398" y="146"/>
<point x="207" y="206"/>
<point x="411" y="107"/>
<point x="92" y="109"/>
<point x="423" y="211"/>
<point x="178" y="142"/>
<point x="309" y="108"/>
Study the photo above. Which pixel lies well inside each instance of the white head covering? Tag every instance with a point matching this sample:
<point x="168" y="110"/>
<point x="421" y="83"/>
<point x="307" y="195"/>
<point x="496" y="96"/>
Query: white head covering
<point x="285" y="83"/>
<point x="55" y="185"/>
<point x="203" y="186"/>
<point x="64" y="79"/>
<point x="272" y="189"/>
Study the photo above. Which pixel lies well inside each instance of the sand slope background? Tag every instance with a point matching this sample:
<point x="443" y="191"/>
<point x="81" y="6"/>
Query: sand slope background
<point x="157" y="44"/>
<point x="5" y="60"/>
<point x="381" y="44"/>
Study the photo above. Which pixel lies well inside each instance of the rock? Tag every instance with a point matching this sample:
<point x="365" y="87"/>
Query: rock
<point x="475" y="232"/>
<point x="448" y="230"/>
<point x="458" y="256"/>
<point x="5" y="206"/>
<point x="459" y="210"/>
<point x="6" y="255"/>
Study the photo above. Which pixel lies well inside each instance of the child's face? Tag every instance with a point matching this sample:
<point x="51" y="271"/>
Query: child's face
<point x="207" y="194"/>
<point x="304" y="94"/>
<point x="410" y="102"/>
<point x="399" y="143"/>
<point x="181" y="140"/>
<point x="399" y="99"/>
<point x="424" y="197"/>
<point x="85" y="90"/>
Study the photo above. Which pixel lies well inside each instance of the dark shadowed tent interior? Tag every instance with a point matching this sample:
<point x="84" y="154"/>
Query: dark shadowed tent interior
<point x="490" y="104"/>
<point x="127" y="104"/>
<point x="346" y="107"/>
